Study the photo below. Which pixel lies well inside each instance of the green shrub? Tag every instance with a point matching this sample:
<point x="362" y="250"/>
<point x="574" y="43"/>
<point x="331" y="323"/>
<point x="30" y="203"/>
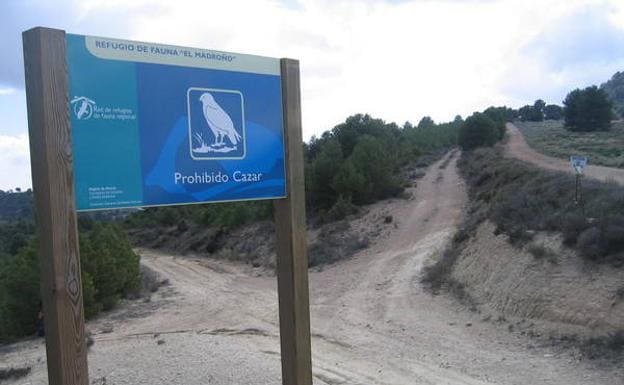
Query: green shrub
<point x="19" y="293"/>
<point x="553" y="112"/>
<point x="322" y="172"/>
<point x="349" y="182"/>
<point x="110" y="266"/>
<point x="168" y="216"/>
<point x="500" y="116"/>
<point x="589" y="109"/>
<point x="110" y="270"/>
<point x="371" y="160"/>
<point x="478" y="131"/>
<point x="533" y="113"/>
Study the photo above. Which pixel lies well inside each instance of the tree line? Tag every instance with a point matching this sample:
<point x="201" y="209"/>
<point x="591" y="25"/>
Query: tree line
<point x="589" y="109"/>
<point x="358" y="161"/>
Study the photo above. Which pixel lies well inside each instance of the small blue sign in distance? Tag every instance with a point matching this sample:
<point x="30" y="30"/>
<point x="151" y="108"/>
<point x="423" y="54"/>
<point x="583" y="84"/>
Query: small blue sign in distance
<point x="578" y="163"/>
<point x="156" y="125"/>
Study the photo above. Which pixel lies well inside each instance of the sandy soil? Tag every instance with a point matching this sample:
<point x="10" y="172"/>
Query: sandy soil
<point x="541" y="293"/>
<point x="372" y="323"/>
<point x="517" y="147"/>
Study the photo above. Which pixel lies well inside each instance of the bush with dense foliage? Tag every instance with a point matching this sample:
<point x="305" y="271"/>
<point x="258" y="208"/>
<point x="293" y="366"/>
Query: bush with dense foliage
<point x="377" y="167"/>
<point x="553" y="112"/>
<point x="534" y="113"/>
<point x="587" y="110"/>
<point x="479" y="131"/>
<point x="110" y="271"/>
<point x="19" y="293"/>
<point x="501" y="115"/>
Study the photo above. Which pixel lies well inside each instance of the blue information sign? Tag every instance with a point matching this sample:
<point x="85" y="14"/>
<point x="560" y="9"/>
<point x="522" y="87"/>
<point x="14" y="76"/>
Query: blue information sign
<point x="162" y="125"/>
<point x="578" y="163"/>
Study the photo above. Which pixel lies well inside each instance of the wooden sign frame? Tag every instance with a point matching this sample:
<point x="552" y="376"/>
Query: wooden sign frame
<point x="47" y="94"/>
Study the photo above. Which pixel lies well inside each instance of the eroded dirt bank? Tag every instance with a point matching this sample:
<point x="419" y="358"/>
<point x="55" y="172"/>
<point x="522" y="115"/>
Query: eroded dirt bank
<point x="372" y="323"/>
<point x="552" y="284"/>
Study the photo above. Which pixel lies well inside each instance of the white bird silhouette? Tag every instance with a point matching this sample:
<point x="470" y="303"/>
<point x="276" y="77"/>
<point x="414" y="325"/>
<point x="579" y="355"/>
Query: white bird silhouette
<point x="218" y="121"/>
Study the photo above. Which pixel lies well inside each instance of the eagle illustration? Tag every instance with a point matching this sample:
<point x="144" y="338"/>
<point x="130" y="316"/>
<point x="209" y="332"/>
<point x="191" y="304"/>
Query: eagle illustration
<point x="218" y="121"/>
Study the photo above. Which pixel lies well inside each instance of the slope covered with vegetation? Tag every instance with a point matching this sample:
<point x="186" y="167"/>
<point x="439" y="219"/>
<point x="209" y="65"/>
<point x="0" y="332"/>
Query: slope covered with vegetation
<point x="605" y="148"/>
<point x="522" y="200"/>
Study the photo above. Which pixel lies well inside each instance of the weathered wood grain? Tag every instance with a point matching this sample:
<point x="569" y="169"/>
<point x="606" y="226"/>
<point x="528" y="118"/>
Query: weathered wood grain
<point x="292" y="258"/>
<point x="47" y="96"/>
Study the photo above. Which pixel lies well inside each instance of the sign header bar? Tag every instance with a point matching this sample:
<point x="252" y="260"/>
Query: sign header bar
<point x="141" y="52"/>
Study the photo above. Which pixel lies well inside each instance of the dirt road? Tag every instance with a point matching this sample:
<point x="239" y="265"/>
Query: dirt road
<point x="372" y="323"/>
<point x="517" y="147"/>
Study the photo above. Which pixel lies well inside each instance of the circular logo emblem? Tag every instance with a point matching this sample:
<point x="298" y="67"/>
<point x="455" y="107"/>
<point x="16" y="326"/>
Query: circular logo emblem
<point x="82" y="107"/>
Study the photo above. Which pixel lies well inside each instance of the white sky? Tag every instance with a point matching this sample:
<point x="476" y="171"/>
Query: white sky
<point x="396" y="60"/>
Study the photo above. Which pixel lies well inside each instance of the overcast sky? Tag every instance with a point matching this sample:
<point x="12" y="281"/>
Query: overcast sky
<point x="396" y="60"/>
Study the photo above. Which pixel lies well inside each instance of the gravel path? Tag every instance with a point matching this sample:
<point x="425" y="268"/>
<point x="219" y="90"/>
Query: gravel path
<point x="517" y="147"/>
<point x="372" y="323"/>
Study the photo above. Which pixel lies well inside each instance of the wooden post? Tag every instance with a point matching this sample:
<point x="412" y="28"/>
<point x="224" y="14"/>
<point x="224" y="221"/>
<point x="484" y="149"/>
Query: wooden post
<point x="290" y="226"/>
<point x="45" y="64"/>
